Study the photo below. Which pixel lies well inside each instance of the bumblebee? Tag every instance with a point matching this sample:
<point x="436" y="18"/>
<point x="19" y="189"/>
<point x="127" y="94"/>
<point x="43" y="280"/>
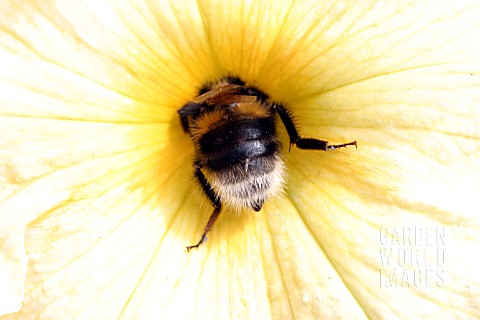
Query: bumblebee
<point x="233" y="129"/>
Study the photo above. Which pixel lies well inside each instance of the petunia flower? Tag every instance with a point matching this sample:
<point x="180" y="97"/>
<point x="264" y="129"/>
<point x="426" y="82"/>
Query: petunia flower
<point x="96" y="200"/>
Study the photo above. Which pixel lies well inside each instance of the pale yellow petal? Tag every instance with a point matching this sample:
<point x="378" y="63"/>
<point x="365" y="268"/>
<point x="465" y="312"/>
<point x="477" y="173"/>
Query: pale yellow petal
<point x="13" y="266"/>
<point x="242" y="35"/>
<point x="97" y="168"/>
<point x="411" y="101"/>
<point x="77" y="184"/>
<point x="77" y="149"/>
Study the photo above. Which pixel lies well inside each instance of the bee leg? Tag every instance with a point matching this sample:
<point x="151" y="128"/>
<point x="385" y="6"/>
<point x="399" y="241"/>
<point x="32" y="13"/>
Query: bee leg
<point x="208" y="227"/>
<point x="207" y="188"/>
<point x="304" y="143"/>
<point x="186" y="111"/>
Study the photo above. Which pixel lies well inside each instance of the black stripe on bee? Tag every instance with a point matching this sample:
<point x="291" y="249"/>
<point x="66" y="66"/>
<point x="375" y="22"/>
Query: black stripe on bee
<point x="234" y="133"/>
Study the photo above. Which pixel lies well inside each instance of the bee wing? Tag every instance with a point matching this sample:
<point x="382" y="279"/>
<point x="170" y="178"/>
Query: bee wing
<point x="223" y="95"/>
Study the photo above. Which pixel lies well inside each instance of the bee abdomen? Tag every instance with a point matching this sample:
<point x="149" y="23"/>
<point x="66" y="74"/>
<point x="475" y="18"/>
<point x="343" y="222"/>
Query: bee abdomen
<point x="234" y="142"/>
<point x="248" y="186"/>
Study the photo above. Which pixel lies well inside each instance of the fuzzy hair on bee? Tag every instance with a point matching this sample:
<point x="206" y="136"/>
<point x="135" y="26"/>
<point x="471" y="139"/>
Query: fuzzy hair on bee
<point x="233" y="129"/>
